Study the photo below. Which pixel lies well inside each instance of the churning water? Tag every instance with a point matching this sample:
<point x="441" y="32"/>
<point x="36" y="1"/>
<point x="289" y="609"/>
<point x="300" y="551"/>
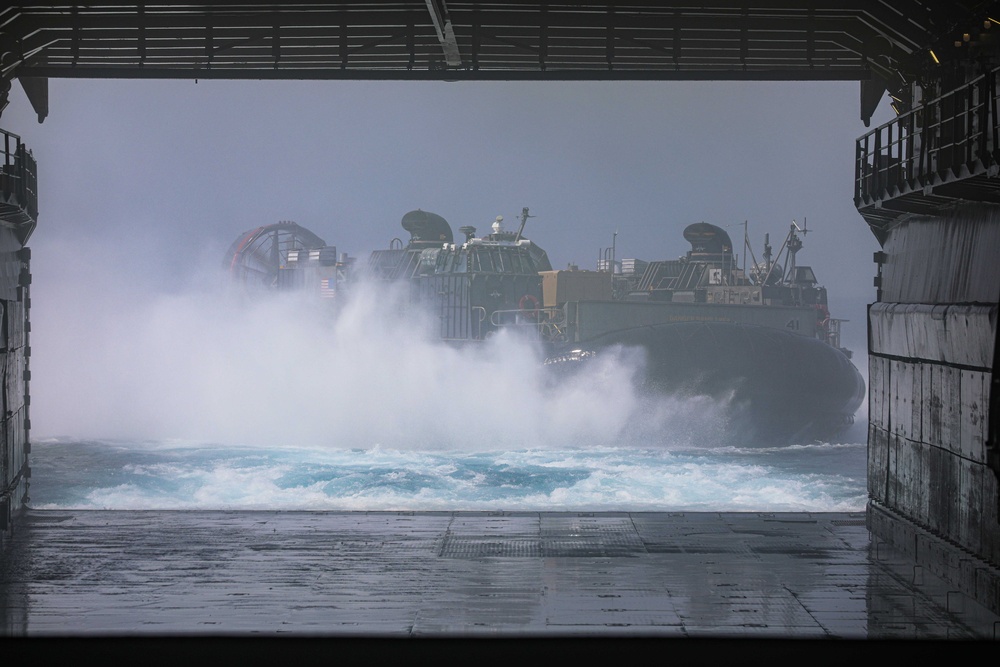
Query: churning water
<point x="200" y="402"/>
<point x="103" y="474"/>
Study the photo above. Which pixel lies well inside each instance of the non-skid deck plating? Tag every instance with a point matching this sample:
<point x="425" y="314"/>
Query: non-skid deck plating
<point x="470" y="574"/>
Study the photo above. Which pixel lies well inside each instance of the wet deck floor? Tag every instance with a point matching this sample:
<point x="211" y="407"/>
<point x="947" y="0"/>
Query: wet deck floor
<point x="380" y="575"/>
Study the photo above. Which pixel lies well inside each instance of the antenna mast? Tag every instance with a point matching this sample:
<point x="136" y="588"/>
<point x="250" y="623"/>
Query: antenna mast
<point x="794" y="245"/>
<point x="524" y="219"/>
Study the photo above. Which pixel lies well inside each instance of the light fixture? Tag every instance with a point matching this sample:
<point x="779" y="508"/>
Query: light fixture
<point x="934" y="56"/>
<point x="966" y="37"/>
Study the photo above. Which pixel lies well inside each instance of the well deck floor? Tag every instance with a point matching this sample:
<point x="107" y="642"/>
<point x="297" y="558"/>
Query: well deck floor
<point x="466" y="575"/>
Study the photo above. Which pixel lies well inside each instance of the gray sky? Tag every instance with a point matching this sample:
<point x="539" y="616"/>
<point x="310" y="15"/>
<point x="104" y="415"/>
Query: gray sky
<point x="145" y="183"/>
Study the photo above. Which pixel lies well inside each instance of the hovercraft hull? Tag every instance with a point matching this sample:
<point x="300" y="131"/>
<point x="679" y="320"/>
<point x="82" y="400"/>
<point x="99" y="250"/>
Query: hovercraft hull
<point x="779" y="387"/>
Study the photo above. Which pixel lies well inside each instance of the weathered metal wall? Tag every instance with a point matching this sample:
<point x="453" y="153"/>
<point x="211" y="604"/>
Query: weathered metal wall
<point x="932" y="339"/>
<point x="18" y="215"/>
<point x="14" y="354"/>
<point x="947" y="259"/>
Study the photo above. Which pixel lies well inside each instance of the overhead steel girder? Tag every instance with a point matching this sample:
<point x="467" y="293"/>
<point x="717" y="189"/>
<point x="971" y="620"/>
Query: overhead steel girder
<point x="509" y="39"/>
<point x="112" y="35"/>
<point x="445" y="32"/>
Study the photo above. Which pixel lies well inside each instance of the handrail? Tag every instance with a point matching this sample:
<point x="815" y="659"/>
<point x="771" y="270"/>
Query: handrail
<point x="18" y="174"/>
<point x="519" y="317"/>
<point x="952" y="136"/>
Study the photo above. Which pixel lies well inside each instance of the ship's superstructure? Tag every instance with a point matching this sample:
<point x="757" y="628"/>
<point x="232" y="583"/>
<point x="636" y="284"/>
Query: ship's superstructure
<point x="707" y="284"/>
<point x="473" y="287"/>
<point x="709" y="273"/>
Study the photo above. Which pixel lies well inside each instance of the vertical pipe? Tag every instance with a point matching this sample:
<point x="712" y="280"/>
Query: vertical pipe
<point x="908" y="152"/>
<point x="994" y="121"/>
<point x="858" y="187"/>
<point x="877" y="190"/>
<point x="925" y="140"/>
<point x="968" y="135"/>
<point x="889" y="148"/>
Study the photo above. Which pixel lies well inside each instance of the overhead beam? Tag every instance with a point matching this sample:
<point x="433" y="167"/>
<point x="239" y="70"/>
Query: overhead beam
<point x="795" y="40"/>
<point x="529" y="73"/>
<point x="36" y="89"/>
<point x="445" y="32"/>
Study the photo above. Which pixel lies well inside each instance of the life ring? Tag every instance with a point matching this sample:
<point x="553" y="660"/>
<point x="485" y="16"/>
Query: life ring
<point x="529" y="306"/>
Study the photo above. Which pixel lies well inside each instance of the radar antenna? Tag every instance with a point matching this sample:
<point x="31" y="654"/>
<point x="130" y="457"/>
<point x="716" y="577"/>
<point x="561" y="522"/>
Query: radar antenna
<point x="524" y="219"/>
<point x="794" y="244"/>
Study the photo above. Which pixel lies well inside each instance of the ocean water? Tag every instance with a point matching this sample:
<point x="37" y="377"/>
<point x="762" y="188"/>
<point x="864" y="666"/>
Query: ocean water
<point x="199" y="402"/>
<point x="105" y="474"/>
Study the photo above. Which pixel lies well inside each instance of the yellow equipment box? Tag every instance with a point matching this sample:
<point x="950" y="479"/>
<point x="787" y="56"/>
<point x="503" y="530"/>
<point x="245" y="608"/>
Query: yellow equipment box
<point x="558" y="287"/>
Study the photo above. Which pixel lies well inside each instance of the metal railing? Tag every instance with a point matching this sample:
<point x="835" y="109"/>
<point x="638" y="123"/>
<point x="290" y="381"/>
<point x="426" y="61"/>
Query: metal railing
<point x="548" y="321"/>
<point x="951" y="137"/>
<point x="18" y="175"/>
<point x="833" y="332"/>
